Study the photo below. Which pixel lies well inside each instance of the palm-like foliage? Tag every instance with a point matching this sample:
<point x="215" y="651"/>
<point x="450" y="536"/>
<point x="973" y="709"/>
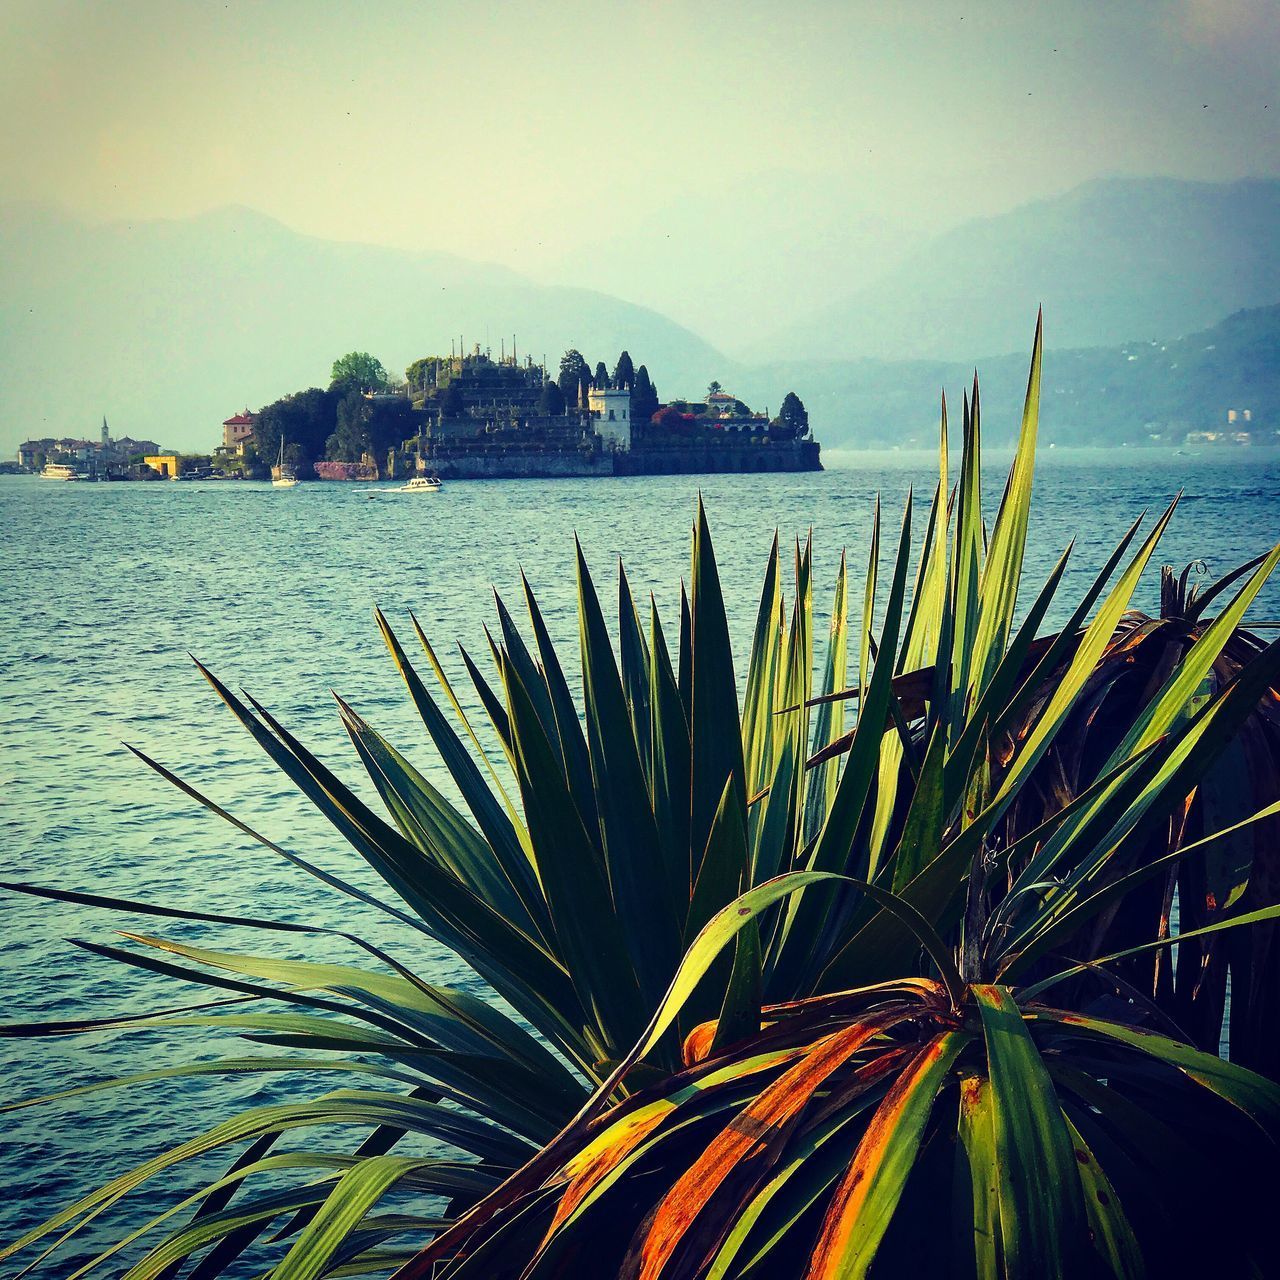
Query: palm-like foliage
<point x="848" y="938"/>
<point x="1239" y="875"/>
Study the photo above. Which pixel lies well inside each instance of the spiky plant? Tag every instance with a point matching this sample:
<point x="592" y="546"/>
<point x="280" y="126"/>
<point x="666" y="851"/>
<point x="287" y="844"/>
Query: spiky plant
<point x="847" y="938"/>
<point x="1240" y="874"/>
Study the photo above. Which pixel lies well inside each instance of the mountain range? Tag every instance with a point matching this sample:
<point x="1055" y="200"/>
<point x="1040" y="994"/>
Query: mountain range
<point x="1116" y="395"/>
<point x="169" y="326"/>
<point x="1117" y="260"/>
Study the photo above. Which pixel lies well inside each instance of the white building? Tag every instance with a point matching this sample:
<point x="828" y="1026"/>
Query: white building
<point x="611" y="416"/>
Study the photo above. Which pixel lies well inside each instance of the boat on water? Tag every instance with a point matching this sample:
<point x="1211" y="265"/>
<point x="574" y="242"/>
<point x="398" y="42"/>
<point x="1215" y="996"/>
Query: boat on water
<point x="61" y="471"/>
<point x="284" y="477"/>
<point x="420" y="484"/>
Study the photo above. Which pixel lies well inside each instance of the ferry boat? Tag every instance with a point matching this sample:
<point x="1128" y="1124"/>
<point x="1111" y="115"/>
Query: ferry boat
<point x="60" y="471"/>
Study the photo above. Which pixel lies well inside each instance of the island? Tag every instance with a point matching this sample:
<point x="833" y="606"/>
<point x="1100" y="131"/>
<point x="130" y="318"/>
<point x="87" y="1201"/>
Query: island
<point x="464" y="416"/>
<point x="484" y="417"/>
<point x="481" y="415"/>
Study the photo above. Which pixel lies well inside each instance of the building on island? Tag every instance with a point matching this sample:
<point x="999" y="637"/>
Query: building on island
<point x="472" y="413"/>
<point x="101" y="457"/>
<point x="610" y="410"/>
<point x="236" y="430"/>
<point x="484" y="417"/>
<point x="168" y="465"/>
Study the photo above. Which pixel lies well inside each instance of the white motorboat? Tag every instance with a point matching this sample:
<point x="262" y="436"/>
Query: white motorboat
<point x="284" y="477"/>
<point x="420" y="484"/>
<point x="60" y="471"/>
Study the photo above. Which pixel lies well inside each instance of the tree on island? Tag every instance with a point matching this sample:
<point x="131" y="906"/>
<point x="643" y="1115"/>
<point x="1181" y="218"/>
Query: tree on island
<point x="305" y="420"/>
<point x="671" y="419"/>
<point x="391" y="423"/>
<point x="624" y="373"/>
<point x="551" y="401"/>
<point x="644" y="397"/>
<point x="365" y="426"/>
<point x="601" y="379"/>
<point x="793" y="414"/>
<point x="713" y="389"/>
<point x="350" y="439"/>
<point x="360" y="370"/>
<point x="451" y="403"/>
<point x="422" y="373"/>
<point x="573" y="368"/>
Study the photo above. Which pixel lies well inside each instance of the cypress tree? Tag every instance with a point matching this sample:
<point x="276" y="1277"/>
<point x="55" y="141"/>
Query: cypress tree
<point x="624" y="373"/>
<point x="793" y="414"/>
<point x="601" y="380"/>
<point x="572" y="369"/>
<point x="644" y="396"/>
<point x="551" y="401"/>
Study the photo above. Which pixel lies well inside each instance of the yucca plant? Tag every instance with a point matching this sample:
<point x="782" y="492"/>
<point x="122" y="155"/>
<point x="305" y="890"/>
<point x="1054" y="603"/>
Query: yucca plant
<point x="1241" y="874"/>
<point x="850" y="941"/>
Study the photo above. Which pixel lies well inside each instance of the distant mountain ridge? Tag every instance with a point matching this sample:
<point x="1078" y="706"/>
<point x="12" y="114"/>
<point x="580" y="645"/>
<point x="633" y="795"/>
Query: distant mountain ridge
<point x="1115" y="260"/>
<point x="1122" y="394"/>
<point x="170" y="326"/>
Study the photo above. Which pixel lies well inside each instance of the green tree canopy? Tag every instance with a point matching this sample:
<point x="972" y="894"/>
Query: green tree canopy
<point x="451" y="403"/>
<point x="391" y="422"/>
<point x="305" y="420"/>
<point x="601" y="379"/>
<point x="624" y="373"/>
<point x="360" y="370"/>
<point x="713" y="389"/>
<point x="551" y="401"/>
<point x="793" y="414"/>
<point x="422" y="373"/>
<point x="350" y="438"/>
<point x="644" y="396"/>
<point x="573" y="368"/>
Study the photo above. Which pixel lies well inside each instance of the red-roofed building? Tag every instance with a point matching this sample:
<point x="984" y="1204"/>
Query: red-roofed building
<point x="721" y="403"/>
<point x="238" y="429"/>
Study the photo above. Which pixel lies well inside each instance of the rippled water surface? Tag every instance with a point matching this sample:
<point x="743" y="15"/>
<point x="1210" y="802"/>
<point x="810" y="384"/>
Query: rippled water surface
<point x="106" y="588"/>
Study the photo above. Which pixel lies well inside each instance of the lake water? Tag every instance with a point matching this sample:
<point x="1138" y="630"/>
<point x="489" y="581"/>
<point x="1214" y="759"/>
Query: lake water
<point x="105" y="588"/>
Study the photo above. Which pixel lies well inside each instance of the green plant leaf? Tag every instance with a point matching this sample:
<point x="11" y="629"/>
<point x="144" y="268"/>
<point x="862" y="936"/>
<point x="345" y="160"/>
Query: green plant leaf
<point x="1002" y="568"/>
<point x="867" y="1196"/>
<point x="573" y="742"/>
<point x="1253" y="1094"/>
<point x="647" y="909"/>
<point x="1109" y="1229"/>
<point x="496" y="823"/>
<point x="670" y="753"/>
<point x="978" y="1150"/>
<point x="1040" y="1235"/>
<point x="714" y="725"/>
<point x="574" y="881"/>
<point x="356" y="1192"/>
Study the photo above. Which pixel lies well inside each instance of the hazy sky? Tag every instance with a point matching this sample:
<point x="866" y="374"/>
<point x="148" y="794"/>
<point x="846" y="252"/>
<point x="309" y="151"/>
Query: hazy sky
<point x="528" y="133"/>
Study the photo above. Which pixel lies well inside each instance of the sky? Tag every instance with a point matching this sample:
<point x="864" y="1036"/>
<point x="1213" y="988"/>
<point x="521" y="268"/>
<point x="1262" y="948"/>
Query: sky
<point x="547" y="136"/>
<point x="738" y="167"/>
